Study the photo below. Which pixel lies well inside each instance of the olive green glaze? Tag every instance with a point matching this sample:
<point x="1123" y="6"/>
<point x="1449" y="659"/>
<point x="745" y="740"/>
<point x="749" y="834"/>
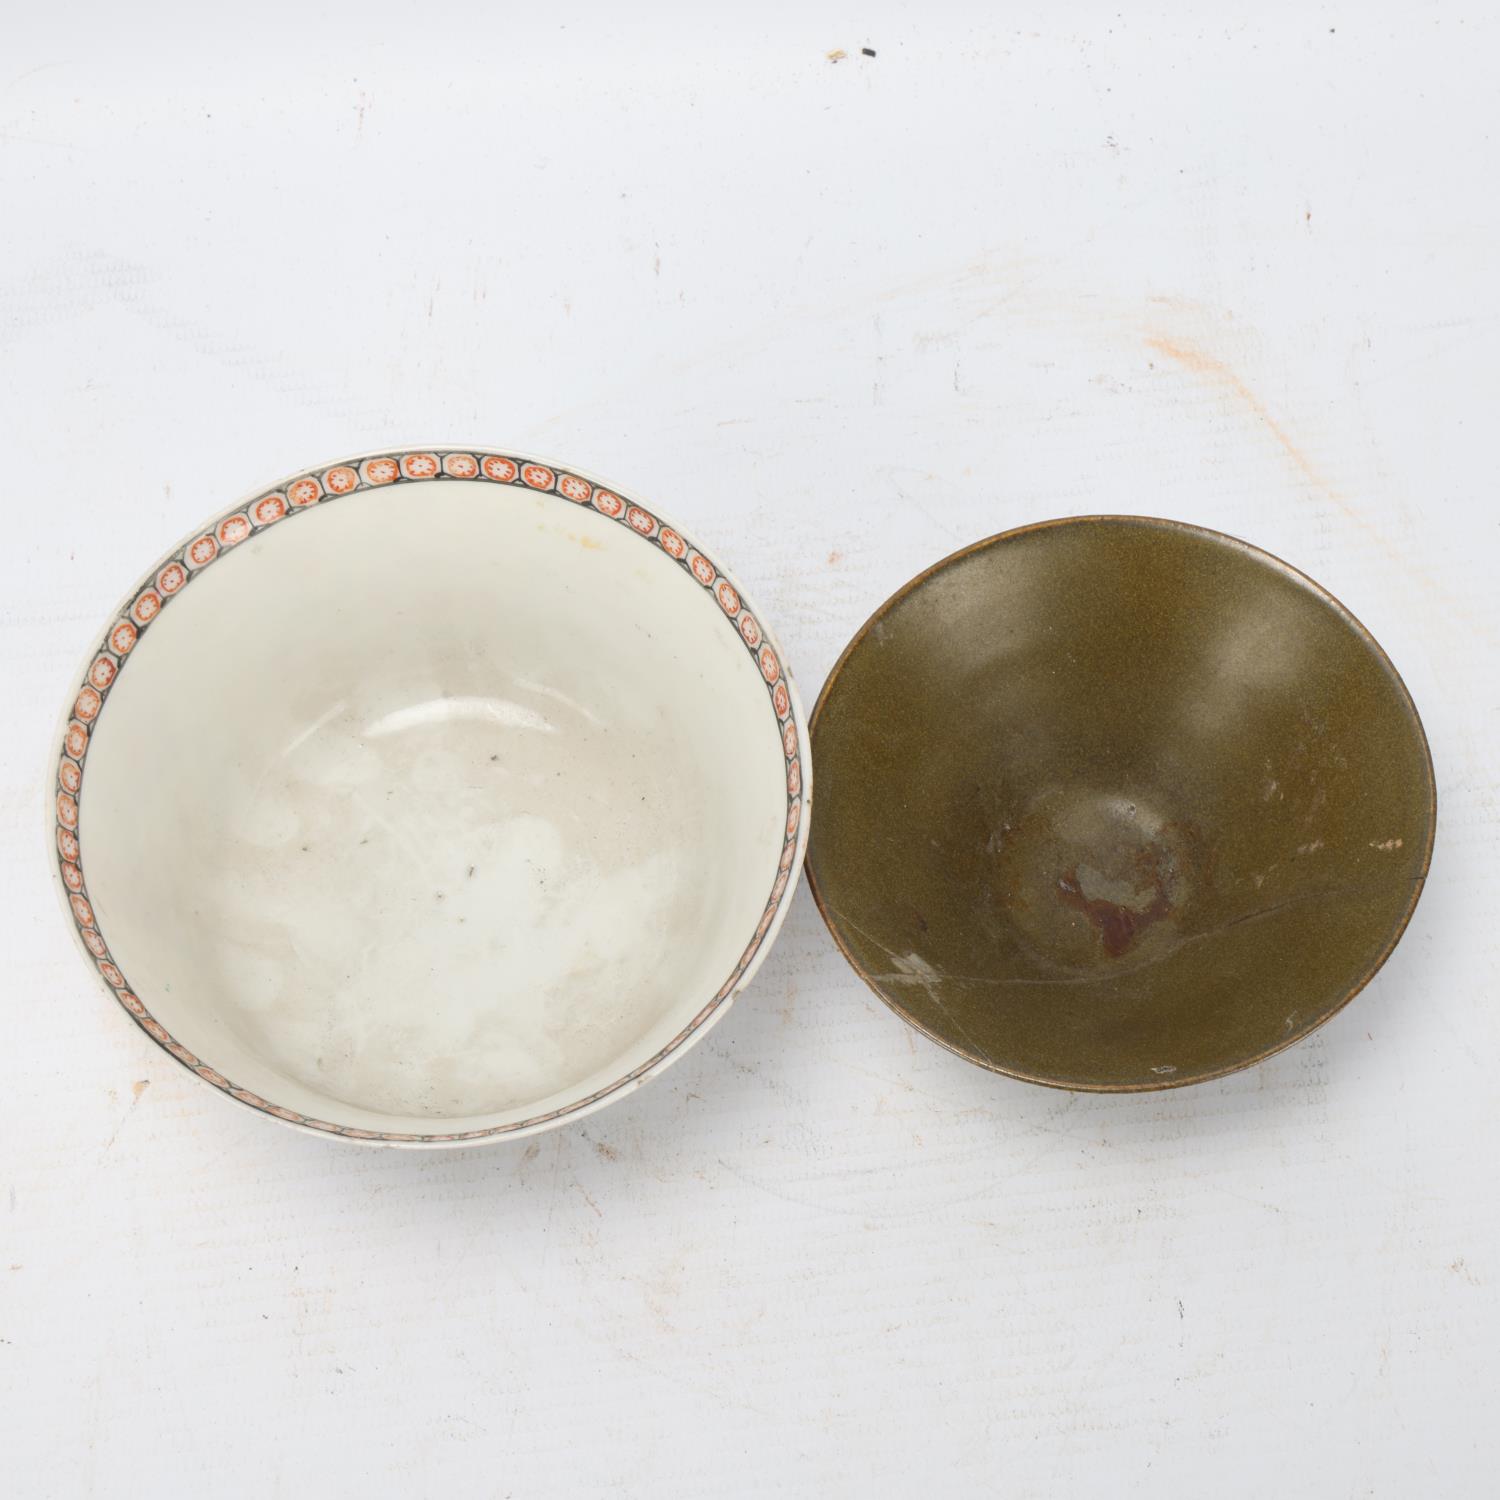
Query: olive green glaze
<point x="1117" y="803"/>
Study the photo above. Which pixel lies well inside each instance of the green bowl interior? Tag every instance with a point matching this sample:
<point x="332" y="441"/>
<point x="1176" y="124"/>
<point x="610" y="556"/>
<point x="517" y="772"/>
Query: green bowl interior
<point x="1116" y="803"/>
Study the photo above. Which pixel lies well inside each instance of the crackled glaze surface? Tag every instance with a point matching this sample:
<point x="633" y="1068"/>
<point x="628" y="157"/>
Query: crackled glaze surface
<point x="445" y="812"/>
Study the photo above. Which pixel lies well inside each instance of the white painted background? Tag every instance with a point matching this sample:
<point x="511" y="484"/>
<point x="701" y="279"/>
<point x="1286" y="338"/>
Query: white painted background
<point x="842" y="317"/>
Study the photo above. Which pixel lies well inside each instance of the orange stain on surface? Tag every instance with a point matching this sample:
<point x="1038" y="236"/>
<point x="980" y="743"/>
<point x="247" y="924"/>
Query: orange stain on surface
<point x="1200" y="362"/>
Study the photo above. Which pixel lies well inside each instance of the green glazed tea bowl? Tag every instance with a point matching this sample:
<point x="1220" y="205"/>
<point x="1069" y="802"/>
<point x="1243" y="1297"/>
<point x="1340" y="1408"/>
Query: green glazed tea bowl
<point x="1115" y="803"/>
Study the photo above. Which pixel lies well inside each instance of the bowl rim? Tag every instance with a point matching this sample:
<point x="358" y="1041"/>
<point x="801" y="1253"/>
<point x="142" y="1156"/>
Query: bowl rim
<point x="757" y="636"/>
<point x="1259" y="554"/>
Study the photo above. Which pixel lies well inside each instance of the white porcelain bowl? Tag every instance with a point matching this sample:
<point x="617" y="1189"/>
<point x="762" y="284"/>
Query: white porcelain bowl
<point x="430" y="797"/>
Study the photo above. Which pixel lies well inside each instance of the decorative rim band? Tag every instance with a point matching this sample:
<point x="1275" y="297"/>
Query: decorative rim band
<point x="302" y="492"/>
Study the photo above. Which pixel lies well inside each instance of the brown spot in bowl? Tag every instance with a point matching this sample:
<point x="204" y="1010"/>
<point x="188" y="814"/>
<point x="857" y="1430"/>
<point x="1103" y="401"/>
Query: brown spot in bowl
<point x="1118" y="925"/>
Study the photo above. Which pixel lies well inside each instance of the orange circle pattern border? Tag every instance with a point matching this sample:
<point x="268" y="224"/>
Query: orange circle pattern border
<point x="156" y="591"/>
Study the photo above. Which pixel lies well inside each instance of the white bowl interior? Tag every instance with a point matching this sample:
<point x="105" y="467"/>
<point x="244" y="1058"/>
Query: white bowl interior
<point x="447" y="802"/>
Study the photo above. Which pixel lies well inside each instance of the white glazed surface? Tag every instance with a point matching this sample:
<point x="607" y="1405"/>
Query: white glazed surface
<point x="437" y="810"/>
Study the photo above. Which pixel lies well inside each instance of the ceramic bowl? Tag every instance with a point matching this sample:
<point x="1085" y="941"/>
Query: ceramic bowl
<point x="1116" y="803"/>
<point x="431" y="796"/>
